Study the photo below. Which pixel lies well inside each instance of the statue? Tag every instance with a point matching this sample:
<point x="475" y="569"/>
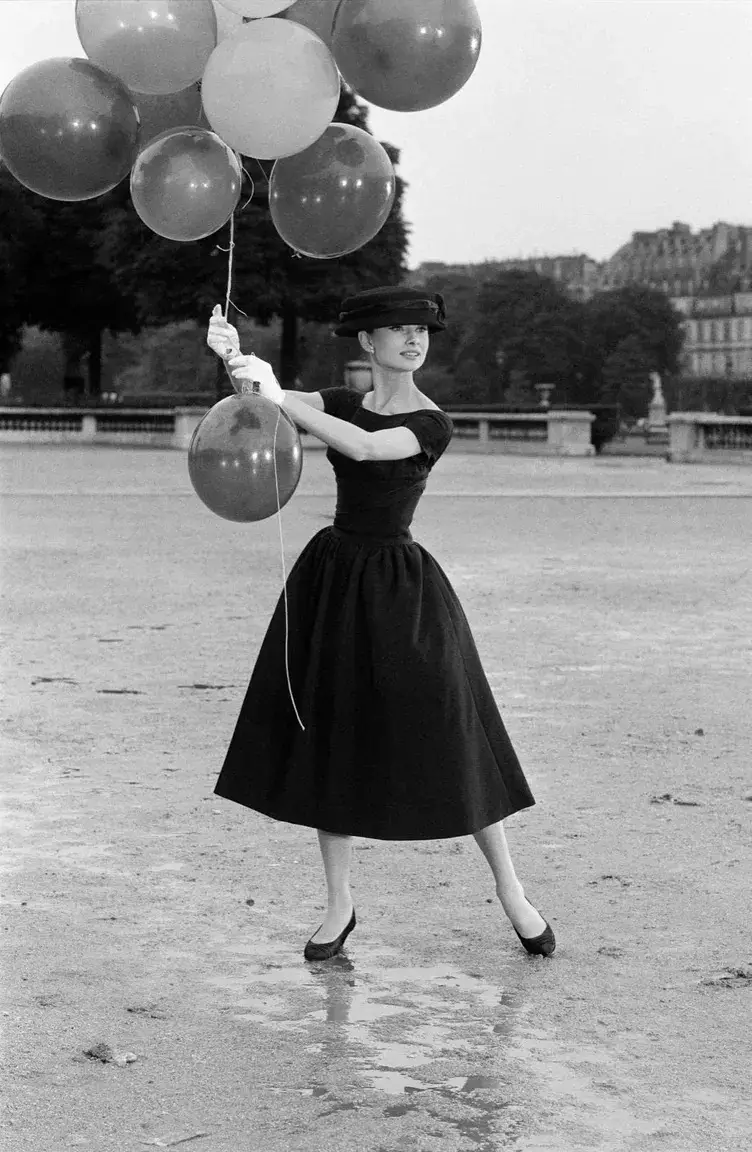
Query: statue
<point x="657" y="426"/>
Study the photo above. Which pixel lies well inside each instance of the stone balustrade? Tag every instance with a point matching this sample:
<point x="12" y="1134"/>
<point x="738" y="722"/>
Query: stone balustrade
<point x="549" y="433"/>
<point x="534" y="433"/>
<point x="706" y="438"/>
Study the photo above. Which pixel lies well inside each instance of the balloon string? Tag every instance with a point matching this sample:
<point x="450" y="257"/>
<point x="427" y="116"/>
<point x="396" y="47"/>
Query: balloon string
<point x="253" y="189"/>
<point x="284" y="581"/>
<point x="228" y="301"/>
<point x="230" y="263"/>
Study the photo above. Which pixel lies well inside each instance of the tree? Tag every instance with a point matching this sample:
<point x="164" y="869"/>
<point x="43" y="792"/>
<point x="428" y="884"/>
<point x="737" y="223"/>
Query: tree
<point x="64" y="284"/>
<point x="17" y="220"/>
<point x="642" y="315"/>
<point x="451" y="373"/>
<point x="172" y="281"/>
<point x="626" y="378"/>
<point x="526" y="324"/>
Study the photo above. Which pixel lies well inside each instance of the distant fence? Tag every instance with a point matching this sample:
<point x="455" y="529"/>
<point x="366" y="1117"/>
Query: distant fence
<point x="565" y="433"/>
<point x="148" y="427"/>
<point x="486" y="427"/>
<point x="693" y="437"/>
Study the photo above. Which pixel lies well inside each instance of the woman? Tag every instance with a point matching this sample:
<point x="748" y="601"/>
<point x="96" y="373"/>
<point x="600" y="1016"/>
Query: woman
<point x="402" y="737"/>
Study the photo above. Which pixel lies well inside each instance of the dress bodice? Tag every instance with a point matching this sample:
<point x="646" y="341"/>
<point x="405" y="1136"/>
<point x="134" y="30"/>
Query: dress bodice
<point x="378" y="498"/>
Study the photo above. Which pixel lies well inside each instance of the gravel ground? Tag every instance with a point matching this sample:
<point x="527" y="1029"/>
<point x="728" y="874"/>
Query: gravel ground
<point x="155" y="991"/>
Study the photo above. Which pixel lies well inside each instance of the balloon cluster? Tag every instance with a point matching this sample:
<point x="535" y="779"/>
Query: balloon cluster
<point x="172" y="91"/>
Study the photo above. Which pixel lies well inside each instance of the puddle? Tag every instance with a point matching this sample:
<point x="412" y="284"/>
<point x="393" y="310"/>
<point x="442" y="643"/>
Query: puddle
<point x="385" y="1020"/>
<point x="430" y="1039"/>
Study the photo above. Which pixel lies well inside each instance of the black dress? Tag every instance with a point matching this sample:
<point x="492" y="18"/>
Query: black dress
<point x="403" y="739"/>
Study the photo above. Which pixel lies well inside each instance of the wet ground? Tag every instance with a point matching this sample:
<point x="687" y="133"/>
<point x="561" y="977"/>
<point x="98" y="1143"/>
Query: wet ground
<point x="155" y="993"/>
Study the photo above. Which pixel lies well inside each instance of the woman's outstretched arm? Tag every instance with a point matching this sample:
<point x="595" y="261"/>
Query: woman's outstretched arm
<point x="389" y="444"/>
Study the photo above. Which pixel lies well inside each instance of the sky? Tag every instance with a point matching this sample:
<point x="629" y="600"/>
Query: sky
<point x="585" y="120"/>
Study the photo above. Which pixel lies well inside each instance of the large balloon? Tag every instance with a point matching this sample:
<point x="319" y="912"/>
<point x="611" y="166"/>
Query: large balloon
<point x="176" y="110"/>
<point x="231" y="460"/>
<point x="186" y="184"/>
<point x="335" y="196"/>
<point x="318" y="15"/>
<point x="271" y="89"/>
<point x="154" y="46"/>
<point x="406" y="56"/>
<point x="256" y="8"/>
<point x="68" y="130"/>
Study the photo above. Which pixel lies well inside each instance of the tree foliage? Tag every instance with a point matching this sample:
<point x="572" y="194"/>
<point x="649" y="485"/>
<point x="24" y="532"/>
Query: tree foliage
<point x="514" y="329"/>
<point x="626" y="377"/>
<point x="17" y="221"/>
<point x="63" y="283"/>
<point x="643" y="314"/>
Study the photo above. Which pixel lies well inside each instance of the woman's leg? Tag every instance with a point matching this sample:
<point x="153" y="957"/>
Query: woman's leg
<point x="336" y="853"/>
<point x="493" y="844"/>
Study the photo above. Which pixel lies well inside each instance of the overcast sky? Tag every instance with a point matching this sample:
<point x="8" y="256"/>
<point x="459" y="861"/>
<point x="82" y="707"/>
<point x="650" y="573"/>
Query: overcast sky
<point x="584" y="121"/>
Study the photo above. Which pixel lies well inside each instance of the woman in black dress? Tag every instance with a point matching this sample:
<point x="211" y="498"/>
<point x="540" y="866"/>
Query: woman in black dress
<point x="402" y="739"/>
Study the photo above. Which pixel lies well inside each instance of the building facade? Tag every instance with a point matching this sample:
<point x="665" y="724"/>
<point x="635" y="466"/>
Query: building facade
<point x="717" y="335"/>
<point x="683" y="263"/>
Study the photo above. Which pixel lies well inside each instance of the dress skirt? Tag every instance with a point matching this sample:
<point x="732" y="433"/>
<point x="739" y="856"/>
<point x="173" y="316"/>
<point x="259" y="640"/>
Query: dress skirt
<point x="403" y="739"/>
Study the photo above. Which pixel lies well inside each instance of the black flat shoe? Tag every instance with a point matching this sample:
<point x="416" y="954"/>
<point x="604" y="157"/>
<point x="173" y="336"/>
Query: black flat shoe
<point x="326" y="951"/>
<point x="542" y="945"/>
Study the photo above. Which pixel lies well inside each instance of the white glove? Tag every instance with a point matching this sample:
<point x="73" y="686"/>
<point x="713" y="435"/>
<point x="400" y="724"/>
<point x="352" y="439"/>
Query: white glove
<point x="222" y="338"/>
<point x="249" y="370"/>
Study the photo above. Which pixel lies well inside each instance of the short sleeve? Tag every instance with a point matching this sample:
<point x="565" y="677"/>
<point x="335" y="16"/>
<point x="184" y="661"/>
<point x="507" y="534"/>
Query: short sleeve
<point x="433" y="431"/>
<point x="340" y="402"/>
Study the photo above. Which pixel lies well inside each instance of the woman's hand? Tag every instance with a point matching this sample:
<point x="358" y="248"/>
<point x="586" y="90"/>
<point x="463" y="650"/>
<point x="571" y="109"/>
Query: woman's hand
<point x="222" y="338"/>
<point x="249" y="370"/>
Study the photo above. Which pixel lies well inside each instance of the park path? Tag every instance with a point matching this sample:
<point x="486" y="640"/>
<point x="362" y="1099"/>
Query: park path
<point x="612" y="605"/>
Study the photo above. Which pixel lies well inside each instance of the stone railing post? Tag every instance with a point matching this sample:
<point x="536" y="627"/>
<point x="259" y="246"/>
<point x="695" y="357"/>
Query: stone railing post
<point x="187" y="421"/>
<point x="569" y="433"/>
<point x="685" y="437"/>
<point x="88" y="426"/>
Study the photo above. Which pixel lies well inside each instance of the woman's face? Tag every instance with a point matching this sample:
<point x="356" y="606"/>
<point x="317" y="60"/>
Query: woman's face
<point x="400" y="347"/>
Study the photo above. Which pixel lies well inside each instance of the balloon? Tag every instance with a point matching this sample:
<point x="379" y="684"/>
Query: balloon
<point x="335" y="196"/>
<point x="406" y="56"/>
<point x="318" y="15"/>
<point x="154" y="46"/>
<point x="227" y="22"/>
<point x="271" y="89"/>
<point x="256" y="8"/>
<point x="231" y="459"/>
<point x="176" y="110"/>
<point x="186" y="184"/>
<point x="68" y="130"/>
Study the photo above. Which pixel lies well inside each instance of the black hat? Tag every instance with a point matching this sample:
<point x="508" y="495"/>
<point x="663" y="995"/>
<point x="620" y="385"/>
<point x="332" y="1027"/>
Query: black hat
<point x="380" y="307"/>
